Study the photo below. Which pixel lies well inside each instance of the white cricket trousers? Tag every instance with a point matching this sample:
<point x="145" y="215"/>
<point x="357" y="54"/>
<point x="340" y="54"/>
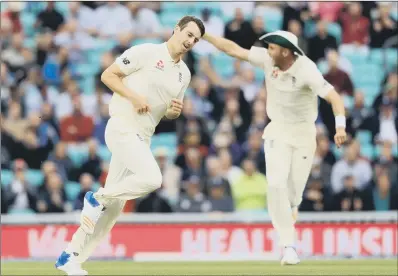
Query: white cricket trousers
<point x="133" y="173"/>
<point x="287" y="169"/>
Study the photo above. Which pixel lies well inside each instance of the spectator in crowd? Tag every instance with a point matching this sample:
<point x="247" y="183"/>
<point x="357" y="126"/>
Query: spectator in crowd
<point x="205" y="99"/>
<point x="383" y="27"/>
<point x="113" y="20"/>
<point x="238" y="30"/>
<point x="326" y="11"/>
<point x="258" y="27"/>
<point x="338" y="77"/>
<point x="193" y="201"/>
<point x="20" y="195"/>
<point x="46" y="134"/>
<point x="355" y="29"/>
<point x="387" y="161"/>
<point x="48" y="167"/>
<point x="259" y="119"/>
<point x="154" y="202"/>
<point x="361" y="117"/>
<point x="359" y="169"/>
<point x="14" y="123"/>
<point x="388" y="123"/>
<point x="323" y="151"/>
<point x="316" y="197"/>
<point x="93" y="163"/>
<point x="228" y="169"/>
<point x="85" y="17"/>
<point x="47" y="115"/>
<point x="295" y="27"/>
<point x="100" y="125"/>
<point x="145" y="21"/>
<point x="53" y="198"/>
<point x="250" y="190"/>
<point x="350" y="198"/>
<point x="50" y="18"/>
<point x="63" y="162"/>
<point x="389" y="93"/>
<point x="381" y="195"/>
<point x="321" y="42"/>
<point x="11" y="16"/>
<point x="76" y="127"/>
<point x="214" y="176"/>
<point x="86" y="183"/>
<point x="253" y="149"/>
<point x="220" y="200"/>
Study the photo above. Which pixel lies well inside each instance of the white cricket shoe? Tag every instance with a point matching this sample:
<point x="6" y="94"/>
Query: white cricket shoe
<point x="92" y="210"/>
<point x="295" y="213"/>
<point x="67" y="264"/>
<point x="290" y="257"/>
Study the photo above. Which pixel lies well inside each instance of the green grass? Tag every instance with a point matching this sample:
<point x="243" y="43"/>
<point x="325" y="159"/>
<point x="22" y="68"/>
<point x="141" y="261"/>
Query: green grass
<point x="346" y="267"/>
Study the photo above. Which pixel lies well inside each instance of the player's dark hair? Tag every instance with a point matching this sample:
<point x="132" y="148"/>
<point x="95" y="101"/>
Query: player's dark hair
<point x="186" y="19"/>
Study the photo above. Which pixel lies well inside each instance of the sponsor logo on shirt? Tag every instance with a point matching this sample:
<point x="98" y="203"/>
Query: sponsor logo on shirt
<point x="180" y="77"/>
<point x="275" y="73"/>
<point x="160" y="65"/>
<point x="294" y="81"/>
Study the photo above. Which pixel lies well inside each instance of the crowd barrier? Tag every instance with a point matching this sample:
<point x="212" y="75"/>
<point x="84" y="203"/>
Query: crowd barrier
<point x="205" y="237"/>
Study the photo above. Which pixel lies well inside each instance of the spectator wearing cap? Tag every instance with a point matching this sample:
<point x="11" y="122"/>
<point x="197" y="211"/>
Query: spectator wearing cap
<point x="172" y="175"/>
<point x="381" y="196"/>
<point x="193" y="201"/>
<point x="350" y="198"/>
<point x="250" y="190"/>
<point x="321" y="42"/>
<point x="20" y="195"/>
<point x="353" y="165"/>
<point x="383" y="27"/>
<point x="219" y="199"/>
<point x="316" y="197"/>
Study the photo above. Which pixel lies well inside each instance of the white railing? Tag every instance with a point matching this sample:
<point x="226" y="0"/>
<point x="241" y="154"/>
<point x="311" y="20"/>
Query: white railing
<point x="73" y="218"/>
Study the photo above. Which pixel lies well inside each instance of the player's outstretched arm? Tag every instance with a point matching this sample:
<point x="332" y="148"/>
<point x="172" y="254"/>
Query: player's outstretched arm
<point x="339" y="112"/>
<point x="112" y="78"/>
<point x="229" y="47"/>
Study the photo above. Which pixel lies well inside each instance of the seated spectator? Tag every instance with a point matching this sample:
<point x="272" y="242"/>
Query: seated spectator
<point x="381" y="196"/>
<point x="193" y="164"/>
<point x="229" y="8"/>
<point x="145" y="21"/>
<point x="322" y="171"/>
<point x="228" y="170"/>
<point x="76" y="127"/>
<point x="224" y="138"/>
<point x="45" y="132"/>
<point x="20" y="194"/>
<point x="355" y="29"/>
<point x="172" y="175"/>
<point x="93" y="164"/>
<point x="259" y="29"/>
<point x="50" y="18"/>
<point x="86" y="182"/>
<point x="295" y="27"/>
<point x="63" y="163"/>
<point x="205" y="99"/>
<point x="254" y="149"/>
<point x="12" y="14"/>
<point x="53" y="198"/>
<point x="350" y="198"/>
<point x="316" y="197"/>
<point x="259" y="118"/>
<point x="214" y="176"/>
<point x="387" y="162"/>
<point x="193" y="201"/>
<point x="153" y="203"/>
<point x="100" y="125"/>
<point x="338" y="77"/>
<point x="323" y="151"/>
<point x="14" y="123"/>
<point x="361" y="116"/>
<point x="220" y="200"/>
<point x="389" y="93"/>
<point x="48" y="168"/>
<point x="326" y="11"/>
<point x="321" y="42"/>
<point x="238" y="30"/>
<point x="294" y="11"/>
<point x="358" y="168"/>
<point x="214" y="25"/>
<point x="47" y="115"/>
<point x="250" y="190"/>
<point x="388" y="123"/>
<point x="383" y="27"/>
<point x="113" y="20"/>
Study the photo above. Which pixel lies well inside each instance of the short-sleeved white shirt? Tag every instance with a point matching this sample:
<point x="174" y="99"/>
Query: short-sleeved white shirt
<point x="151" y="72"/>
<point x="292" y="103"/>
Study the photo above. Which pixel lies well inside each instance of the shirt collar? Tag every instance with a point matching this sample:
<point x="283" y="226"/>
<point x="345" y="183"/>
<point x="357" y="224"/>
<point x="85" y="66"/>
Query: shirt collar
<point x="170" y="59"/>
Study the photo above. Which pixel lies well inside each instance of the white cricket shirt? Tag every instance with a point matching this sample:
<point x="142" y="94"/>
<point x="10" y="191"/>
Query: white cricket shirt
<point x="151" y="72"/>
<point x="292" y="103"/>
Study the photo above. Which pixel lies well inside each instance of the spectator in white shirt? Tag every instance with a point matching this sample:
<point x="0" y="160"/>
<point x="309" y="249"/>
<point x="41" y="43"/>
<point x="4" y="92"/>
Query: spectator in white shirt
<point x="353" y="165"/>
<point x="113" y="20"/>
<point x="388" y="122"/>
<point x="146" y="22"/>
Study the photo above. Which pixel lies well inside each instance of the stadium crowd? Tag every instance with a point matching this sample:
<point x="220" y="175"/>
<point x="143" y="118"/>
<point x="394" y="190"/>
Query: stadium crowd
<point x="54" y="107"/>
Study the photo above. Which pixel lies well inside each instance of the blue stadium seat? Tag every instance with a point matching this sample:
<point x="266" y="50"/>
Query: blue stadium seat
<point x="34" y="177"/>
<point x="21" y="211"/>
<point x="337" y="152"/>
<point x="28" y="20"/>
<point x="392" y="57"/>
<point x="259" y="75"/>
<point x="7" y="177"/>
<point x="62" y="7"/>
<point x="105" y="45"/>
<point x="222" y="64"/>
<point x="376" y="56"/>
<point x="72" y="190"/>
<point x="87" y="85"/>
<point x="104" y="153"/>
<point x="368" y="151"/>
<point x="364" y="137"/>
<point x="372" y="90"/>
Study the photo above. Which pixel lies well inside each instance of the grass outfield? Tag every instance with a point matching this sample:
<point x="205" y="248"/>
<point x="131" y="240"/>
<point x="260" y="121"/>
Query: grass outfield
<point x="346" y="267"/>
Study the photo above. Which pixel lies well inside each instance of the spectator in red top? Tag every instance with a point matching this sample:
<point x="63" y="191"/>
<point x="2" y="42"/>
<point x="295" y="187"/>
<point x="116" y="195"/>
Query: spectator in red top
<point x="355" y="28"/>
<point x="337" y="77"/>
<point x="76" y="127"/>
<point x="326" y="11"/>
<point x="12" y="15"/>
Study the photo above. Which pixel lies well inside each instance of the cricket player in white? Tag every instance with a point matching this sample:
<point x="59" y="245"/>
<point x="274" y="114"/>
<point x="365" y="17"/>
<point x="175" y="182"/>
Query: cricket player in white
<point x="148" y="82"/>
<point x="293" y="83"/>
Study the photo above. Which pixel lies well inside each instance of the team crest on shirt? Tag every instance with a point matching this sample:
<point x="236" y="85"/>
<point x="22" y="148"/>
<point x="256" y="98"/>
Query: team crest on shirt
<point x="275" y="73"/>
<point x="294" y="81"/>
<point x="160" y="65"/>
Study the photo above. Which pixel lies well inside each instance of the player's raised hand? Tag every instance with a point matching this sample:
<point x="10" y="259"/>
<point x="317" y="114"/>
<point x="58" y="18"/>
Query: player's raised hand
<point x="140" y="104"/>
<point x="340" y="137"/>
<point x="176" y="105"/>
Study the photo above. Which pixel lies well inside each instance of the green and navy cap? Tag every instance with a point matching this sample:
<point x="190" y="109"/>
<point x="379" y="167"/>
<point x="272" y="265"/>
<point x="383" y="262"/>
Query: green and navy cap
<point x="283" y="39"/>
